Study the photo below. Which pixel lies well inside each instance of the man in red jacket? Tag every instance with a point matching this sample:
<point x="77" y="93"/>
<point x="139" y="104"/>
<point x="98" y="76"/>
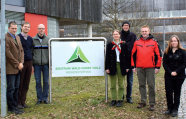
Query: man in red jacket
<point x="147" y="63"/>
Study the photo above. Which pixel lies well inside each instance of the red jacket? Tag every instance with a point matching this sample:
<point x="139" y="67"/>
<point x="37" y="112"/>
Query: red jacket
<point x="145" y="51"/>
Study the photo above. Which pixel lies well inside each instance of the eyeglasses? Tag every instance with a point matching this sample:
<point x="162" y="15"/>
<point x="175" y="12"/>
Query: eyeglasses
<point x="41" y="28"/>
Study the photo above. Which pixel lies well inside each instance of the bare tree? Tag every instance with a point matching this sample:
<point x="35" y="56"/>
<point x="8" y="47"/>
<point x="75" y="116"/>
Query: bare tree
<point x="117" y="11"/>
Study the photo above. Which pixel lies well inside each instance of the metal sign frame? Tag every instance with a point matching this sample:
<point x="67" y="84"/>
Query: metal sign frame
<point x="75" y="39"/>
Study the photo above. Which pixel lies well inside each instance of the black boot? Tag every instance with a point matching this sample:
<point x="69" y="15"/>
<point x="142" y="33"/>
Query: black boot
<point x="119" y="104"/>
<point x="113" y="102"/>
<point x="174" y="113"/>
<point x="129" y="101"/>
<point x="168" y="112"/>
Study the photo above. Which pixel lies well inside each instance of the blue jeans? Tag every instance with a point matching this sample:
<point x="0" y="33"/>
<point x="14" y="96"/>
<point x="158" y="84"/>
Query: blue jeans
<point x="13" y="81"/>
<point x="42" y="93"/>
<point x="129" y="84"/>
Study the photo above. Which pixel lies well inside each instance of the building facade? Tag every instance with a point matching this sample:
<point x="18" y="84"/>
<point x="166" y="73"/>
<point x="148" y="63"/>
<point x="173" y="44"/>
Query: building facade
<point x="54" y="14"/>
<point x="168" y="13"/>
<point x="155" y="13"/>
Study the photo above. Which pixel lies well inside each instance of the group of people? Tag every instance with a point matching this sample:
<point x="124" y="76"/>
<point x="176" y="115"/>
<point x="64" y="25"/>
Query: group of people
<point x="23" y="52"/>
<point x="126" y="55"/>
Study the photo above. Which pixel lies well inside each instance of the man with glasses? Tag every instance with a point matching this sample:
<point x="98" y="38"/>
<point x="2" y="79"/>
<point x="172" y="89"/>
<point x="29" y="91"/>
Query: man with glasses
<point x="41" y="63"/>
<point x="129" y="37"/>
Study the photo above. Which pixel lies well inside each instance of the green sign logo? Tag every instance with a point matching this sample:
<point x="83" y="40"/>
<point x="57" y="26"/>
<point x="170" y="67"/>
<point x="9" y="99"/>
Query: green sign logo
<point x="78" y="56"/>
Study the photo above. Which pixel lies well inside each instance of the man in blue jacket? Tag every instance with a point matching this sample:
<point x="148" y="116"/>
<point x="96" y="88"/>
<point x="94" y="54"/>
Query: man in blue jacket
<point x="27" y="42"/>
<point x="129" y="37"/>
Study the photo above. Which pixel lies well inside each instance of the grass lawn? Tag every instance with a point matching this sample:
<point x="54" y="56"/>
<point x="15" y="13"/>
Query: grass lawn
<point x="84" y="97"/>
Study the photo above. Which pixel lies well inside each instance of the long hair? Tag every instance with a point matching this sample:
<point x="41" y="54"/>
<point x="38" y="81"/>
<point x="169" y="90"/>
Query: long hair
<point x="169" y="47"/>
<point x="116" y="30"/>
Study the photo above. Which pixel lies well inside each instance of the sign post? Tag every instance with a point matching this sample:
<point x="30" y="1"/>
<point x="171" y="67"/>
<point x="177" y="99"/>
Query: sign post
<point x="77" y="57"/>
<point x="3" y="61"/>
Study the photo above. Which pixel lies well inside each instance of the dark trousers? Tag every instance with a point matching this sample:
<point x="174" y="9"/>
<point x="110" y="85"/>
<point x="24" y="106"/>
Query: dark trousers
<point x="12" y="90"/>
<point x="129" y="84"/>
<point x="24" y="82"/>
<point x="173" y="86"/>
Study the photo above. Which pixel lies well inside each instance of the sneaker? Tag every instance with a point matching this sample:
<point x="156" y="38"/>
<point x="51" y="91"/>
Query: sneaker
<point x="119" y="104"/>
<point x="141" y="105"/>
<point x="174" y="113"/>
<point x="151" y="108"/>
<point x="113" y="102"/>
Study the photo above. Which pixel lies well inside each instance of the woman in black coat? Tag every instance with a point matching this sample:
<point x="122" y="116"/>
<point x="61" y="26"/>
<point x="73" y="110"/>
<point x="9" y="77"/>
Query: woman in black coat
<point x="116" y="66"/>
<point x="174" y="63"/>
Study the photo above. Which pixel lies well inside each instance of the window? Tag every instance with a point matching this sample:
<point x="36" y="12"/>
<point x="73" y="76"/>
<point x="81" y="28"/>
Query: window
<point x="183" y="12"/>
<point x="175" y="13"/>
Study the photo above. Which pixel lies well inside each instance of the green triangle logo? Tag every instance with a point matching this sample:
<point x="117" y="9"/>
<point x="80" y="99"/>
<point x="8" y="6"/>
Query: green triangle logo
<point x="78" y="56"/>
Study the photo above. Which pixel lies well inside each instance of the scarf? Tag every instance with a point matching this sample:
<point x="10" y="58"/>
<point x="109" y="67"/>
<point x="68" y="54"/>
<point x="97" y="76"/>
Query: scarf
<point x="116" y="46"/>
<point x="124" y="35"/>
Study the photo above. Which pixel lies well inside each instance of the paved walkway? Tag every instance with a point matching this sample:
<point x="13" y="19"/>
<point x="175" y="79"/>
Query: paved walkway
<point x="182" y="107"/>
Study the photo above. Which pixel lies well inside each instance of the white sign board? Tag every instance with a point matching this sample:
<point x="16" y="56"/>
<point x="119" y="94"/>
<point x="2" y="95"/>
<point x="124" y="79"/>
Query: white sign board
<point x="77" y="58"/>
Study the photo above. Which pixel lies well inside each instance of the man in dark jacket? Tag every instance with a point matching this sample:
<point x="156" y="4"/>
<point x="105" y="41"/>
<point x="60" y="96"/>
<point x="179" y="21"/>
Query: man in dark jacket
<point x="147" y="51"/>
<point x="27" y="42"/>
<point x="41" y="63"/>
<point x="129" y="38"/>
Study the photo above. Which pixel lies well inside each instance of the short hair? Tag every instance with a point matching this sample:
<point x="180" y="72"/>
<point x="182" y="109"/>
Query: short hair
<point x="25" y="23"/>
<point x="40" y="24"/>
<point x="145" y="26"/>
<point x="11" y="23"/>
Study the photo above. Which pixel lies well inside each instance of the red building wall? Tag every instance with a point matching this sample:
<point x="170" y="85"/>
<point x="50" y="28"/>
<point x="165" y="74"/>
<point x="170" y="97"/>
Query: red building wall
<point x="35" y="20"/>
